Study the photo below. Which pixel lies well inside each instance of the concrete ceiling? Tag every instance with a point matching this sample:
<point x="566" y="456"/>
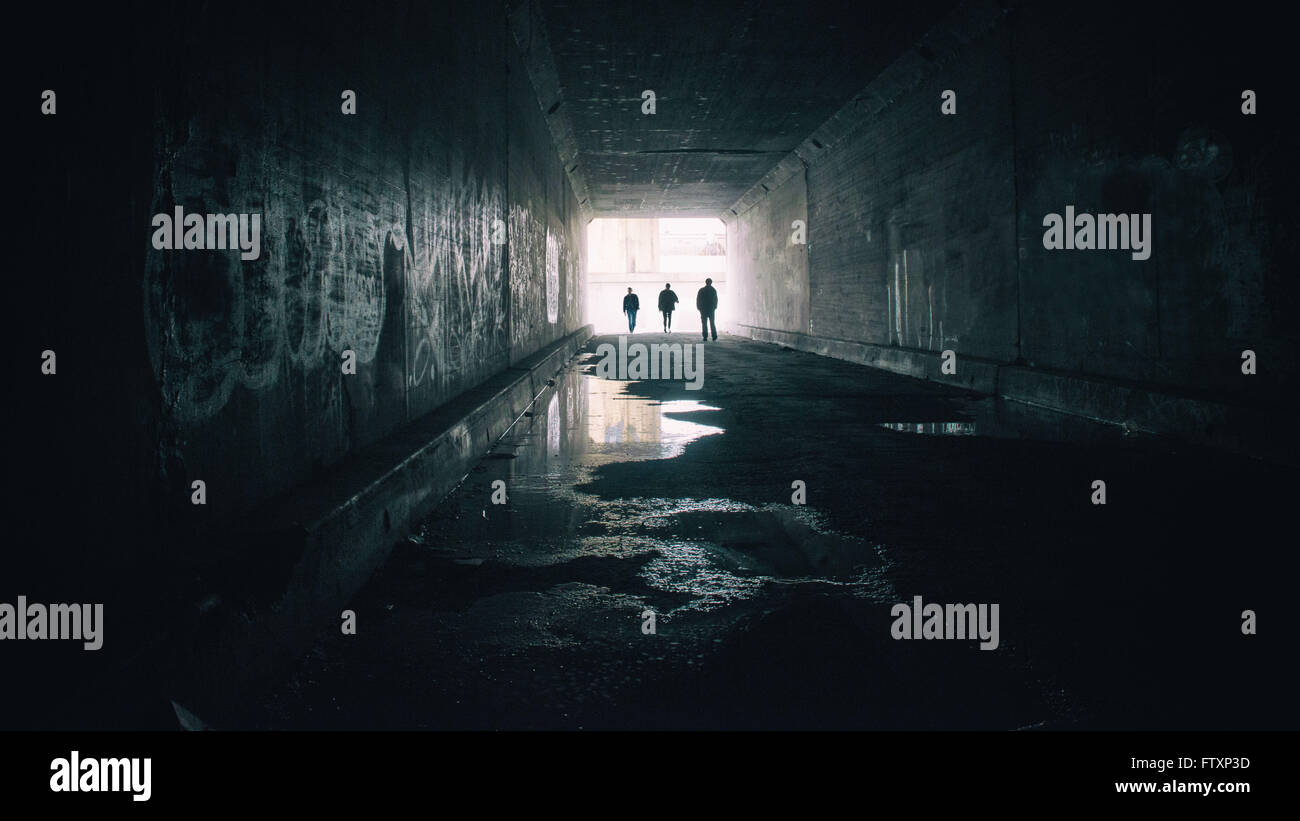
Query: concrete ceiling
<point x="738" y="85"/>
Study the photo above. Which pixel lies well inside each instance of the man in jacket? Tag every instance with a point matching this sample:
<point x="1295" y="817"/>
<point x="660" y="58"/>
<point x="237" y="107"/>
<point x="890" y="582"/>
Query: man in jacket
<point x="706" y="301"/>
<point x="667" y="303"/>
<point x="630" y="306"/>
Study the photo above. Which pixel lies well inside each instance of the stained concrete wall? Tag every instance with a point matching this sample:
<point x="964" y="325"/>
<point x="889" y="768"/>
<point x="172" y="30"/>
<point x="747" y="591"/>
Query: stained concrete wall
<point x="1156" y="127"/>
<point x="547" y="233"/>
<point x="925" y="230"/>
<point x="911" y="221"/>
<point x="377" y="237"/>
<point x="767" y="267"/>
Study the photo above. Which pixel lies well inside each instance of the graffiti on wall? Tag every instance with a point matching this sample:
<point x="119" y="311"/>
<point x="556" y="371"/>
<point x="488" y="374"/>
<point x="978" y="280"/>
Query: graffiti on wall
<point x="214" y="321"/>
<point x="333" y="275"/>
<point x="527" y="254"/>
<point x="552" y="277"/>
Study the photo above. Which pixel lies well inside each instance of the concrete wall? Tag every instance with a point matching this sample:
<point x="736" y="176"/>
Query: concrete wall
<point x="547" y="234"/>
<point x="925" y="231"/>
<point x="1155" y="128"/>
<point x="911" y="221"/>
<point x="376" y="238"/>
<point x="766" y="268"/>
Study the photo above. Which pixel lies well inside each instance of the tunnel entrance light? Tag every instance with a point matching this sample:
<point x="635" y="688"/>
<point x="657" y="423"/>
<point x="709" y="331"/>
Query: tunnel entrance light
<point x="644" y="254"/>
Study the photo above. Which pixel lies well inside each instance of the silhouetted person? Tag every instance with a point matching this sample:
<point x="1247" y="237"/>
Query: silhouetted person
<point x="630" y="306"/>
<point x="706" y="301"/>
<point x="667" y="303"/>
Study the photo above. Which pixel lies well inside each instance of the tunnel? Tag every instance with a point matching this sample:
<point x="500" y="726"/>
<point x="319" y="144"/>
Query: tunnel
<point x="974" y="412"/>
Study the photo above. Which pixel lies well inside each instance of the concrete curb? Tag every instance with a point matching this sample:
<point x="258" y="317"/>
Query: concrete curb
<point x="978" y="375"/>
<point x="336" y="531"/>
<point x="1236" y="429"/>
<point x="1233" y="428"/>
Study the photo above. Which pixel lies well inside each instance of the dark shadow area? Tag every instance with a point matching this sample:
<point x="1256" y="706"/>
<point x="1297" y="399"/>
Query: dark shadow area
<point x="776" y="615"/>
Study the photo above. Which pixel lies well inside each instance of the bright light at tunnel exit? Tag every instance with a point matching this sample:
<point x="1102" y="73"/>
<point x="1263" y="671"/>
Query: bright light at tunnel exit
<point x="644" y="254"/>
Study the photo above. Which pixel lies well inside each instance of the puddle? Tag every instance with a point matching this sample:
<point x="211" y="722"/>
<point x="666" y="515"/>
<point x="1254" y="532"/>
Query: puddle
<point x="714" y="552"/>
<point x="718" y="557"/>
<point x="990" y="417"/>
<point x="932" y="428"/>
<point x="632" y="427"/>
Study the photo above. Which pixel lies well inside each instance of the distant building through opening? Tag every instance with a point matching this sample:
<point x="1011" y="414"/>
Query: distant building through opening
<point x="646" y="253"/>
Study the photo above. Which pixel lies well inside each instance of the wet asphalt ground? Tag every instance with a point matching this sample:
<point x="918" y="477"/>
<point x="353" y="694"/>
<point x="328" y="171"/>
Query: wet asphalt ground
<point x="625" y="498"/>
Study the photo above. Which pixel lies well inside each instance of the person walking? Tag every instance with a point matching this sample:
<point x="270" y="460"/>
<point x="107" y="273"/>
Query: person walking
<point x="630" y="306"/>
<point x="706" y="302"/>
<point x="667" y="303"/>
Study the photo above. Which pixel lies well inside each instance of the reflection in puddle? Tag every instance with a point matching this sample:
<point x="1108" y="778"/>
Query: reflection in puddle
<point x="694" y="555"/>
<point x="719" y="555"/>
<point x="642" y="427"/>
<point x="933" y="428"/>
<point x="692" y="570"/>
<point x="712" y="552"/>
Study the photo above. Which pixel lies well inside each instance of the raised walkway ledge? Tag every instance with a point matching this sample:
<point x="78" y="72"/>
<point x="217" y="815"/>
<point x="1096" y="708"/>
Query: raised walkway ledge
<point x="322" y="541"/>
<point x="1260" y="434"/>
